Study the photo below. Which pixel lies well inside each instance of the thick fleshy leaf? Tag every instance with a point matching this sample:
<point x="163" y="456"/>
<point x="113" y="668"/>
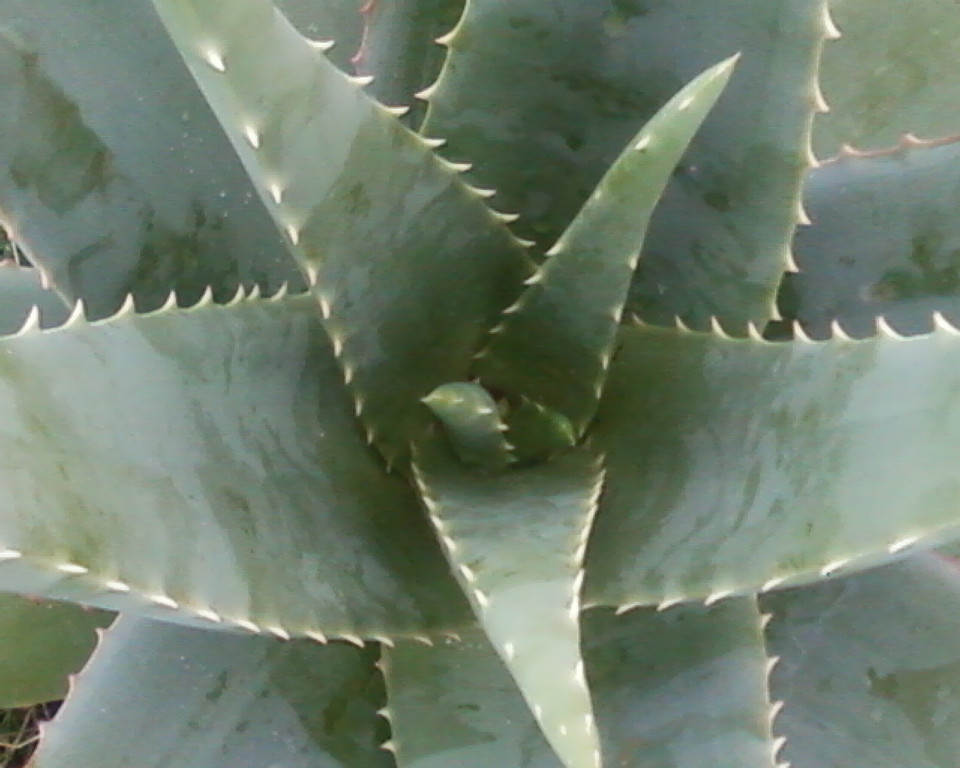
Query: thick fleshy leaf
<point x="516" y="541"/>
<point x="22" y="289"/>
<point x="114" y="175"/>
<point x="400" y="48"/>
<point x="472" y="424"/>
<point x="543" y="135"/>
<point x="870" y="668"/>
<point x="43" y="643"/>
<point x="735" y="465"/>
<point x="363" y="202"/>
<point x="339" y="21"/>
<point x="893" y="71"/>
<point x="553" y="345"/>
<point x="204" y="466"/>
<point x="682" y="689"/>
<point x="885" y="242"/>
<point x="158" y="695"/>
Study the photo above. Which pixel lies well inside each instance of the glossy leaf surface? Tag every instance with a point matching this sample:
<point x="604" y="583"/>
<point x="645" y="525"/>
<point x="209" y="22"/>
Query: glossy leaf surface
<point x="553" y="344"/>
<point x="363" y="201"/>
<point x="682" y="689"/>
<point x="515" y="541"/>
<point x="885" y="242"/>
<point x="543" y="134"/>
<point x="738" y="465"/>
<point x="43" y="642"/>
<point x="870" y="668"/>
<point x="114" y="174"/>
<point x="156" y="695"/>
<point x="204" y="465"/>
<point x="472" y="424"/>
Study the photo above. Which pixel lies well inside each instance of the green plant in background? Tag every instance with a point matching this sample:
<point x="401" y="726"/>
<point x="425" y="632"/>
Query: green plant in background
<point x="516" y="429"/>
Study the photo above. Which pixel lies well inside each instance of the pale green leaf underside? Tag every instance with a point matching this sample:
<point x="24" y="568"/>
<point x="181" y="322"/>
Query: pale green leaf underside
<point x="205" y="464"/>
<point x="683" y="689"/>
<point x="361" y="200"/>
<point x="115" y="177"/>
<point x="43" y="642"/>
<point x="737" y="465"/>
<point x="885" y="242"/>
<point x="553" y="344"/>
<point x="870" y="670"/>
<point x="21" y="289"/>
<point x="543" y="135"/>
<point x="883" y="79"/>
<point x="515" y="541"/>
<point x="158" y="695"/>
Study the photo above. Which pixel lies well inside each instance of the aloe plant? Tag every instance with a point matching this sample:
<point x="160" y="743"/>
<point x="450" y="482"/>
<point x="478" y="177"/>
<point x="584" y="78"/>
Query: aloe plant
<point x="578" y="417"/>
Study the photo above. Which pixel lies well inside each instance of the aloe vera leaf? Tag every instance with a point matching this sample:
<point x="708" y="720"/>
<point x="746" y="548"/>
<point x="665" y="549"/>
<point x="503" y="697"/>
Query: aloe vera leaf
<point x="737" y="465"/>
<point x="870" y="668"/>
<point x="43" y="643"/>
<point x="554" y="343"/>
<point x="114" y="174"/>
<point x="682" y="689"/>
<point x="536" y="433"/>
<point x="22" y="289"/>
<point x="363" y="202"/>
<point x="400" y="48"/>
<point x="204" y="466"/>
<point x="515" y="542"/>
<point x="157" y="694"/>
<point x="885" y="242"/>
<point x="543" y="135"/>
<point x="337" y="20"/>
<point x="884" y="79"/>
<point x="472" y="423"/>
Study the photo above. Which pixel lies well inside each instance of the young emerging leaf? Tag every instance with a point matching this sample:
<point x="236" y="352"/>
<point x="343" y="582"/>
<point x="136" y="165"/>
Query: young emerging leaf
<point x="554" y="343"/>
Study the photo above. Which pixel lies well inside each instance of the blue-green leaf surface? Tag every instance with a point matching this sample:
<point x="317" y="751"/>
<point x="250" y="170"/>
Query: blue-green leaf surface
<point x="543" y="134"/>
<point x="870" y="668"/>
<point x="204" y="466"/>
<point x="400" y="49"/>
<point x="892" y="71"/>
<point x="735" y="465"/>
<point x="682" y="689"/>
<point x="515" y="541"/>
<point x="158" y="695"/>
<point x="362" y="201"/>
<point x="22" y="289"/>
<point x="885" y="242"/>
<point x="339" y="21"/>
<point x="114" y="175"/>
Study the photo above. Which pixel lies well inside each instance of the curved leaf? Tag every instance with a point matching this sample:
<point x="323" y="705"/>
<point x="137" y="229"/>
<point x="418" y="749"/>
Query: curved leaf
<point x="43" y="643"/>
<point x="870" y="668"/>
<point x="543" y="135"/>
<point x="516" y="540"/>
<point x="114" y="175"/>
<point x="204" y="466"/>
<point x="362" y="201"/>
<point x="156" y="695"/>
<point x="553" y="344"/>
<point x="735" y="465"/>
<point x="885" y="242"/>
